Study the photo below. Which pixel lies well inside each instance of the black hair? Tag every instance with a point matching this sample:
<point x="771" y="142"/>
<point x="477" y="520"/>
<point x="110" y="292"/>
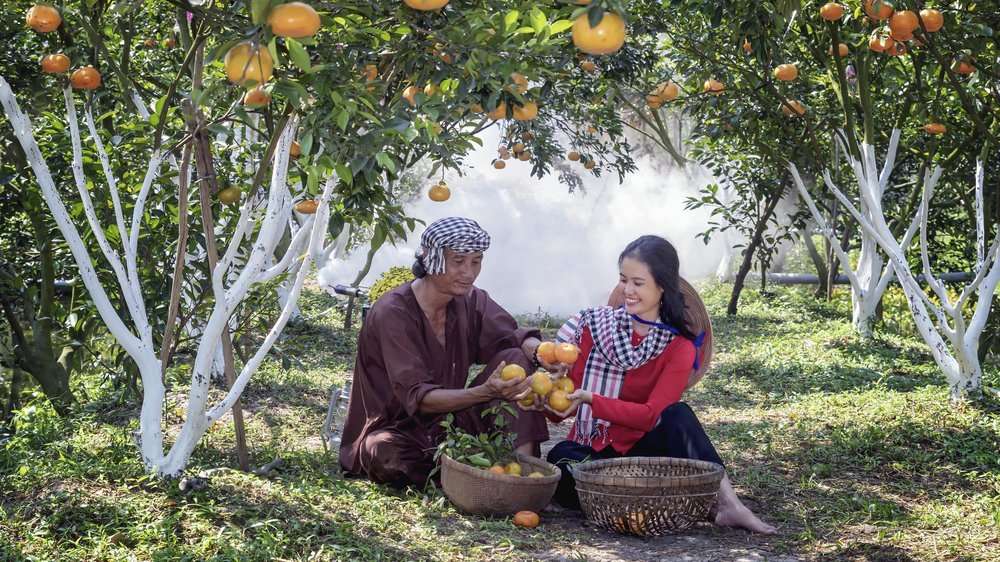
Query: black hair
<point x="418" y="268"/>
<point x="660" y="257"/>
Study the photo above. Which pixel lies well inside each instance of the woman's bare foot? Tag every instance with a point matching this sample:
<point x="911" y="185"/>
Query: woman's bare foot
<point x="732" y="513"/>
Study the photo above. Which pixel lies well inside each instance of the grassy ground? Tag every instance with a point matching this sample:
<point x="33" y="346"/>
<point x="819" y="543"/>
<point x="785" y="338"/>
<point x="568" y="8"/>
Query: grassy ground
<point x="852" y="448"/>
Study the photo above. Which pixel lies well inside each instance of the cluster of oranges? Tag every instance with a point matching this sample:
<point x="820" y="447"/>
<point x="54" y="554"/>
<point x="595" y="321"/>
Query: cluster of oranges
<point x="518" y="150"/>
<point x="664" y="92"/>
<point x="514" y="468"/>
<point x="545" y="387"/>
<point x="574" y="156"/>
<point x="45" y="19"/>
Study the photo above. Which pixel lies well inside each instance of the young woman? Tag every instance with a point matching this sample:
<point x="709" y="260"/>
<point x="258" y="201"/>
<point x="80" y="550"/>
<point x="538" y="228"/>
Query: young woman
<point x="630" y="375"/>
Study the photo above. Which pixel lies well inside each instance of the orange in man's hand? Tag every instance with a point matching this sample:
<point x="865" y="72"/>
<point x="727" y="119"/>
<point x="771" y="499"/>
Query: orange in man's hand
<point x="567" y="352"/>
<point x="541" y="383"/>
<point x="547" y="351"/>
<point x="511" y="372"/>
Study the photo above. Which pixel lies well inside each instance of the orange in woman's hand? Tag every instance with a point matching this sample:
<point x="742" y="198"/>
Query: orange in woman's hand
<point x="567" y="352"/>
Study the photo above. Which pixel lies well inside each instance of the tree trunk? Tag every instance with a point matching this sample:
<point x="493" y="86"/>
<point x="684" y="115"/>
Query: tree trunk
<point x="819" y="263"/>
<point x="751" y="249"/>
<point x="14" y="400"/>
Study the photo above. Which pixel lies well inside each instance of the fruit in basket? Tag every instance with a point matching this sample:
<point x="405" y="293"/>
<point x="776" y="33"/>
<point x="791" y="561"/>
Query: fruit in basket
<point x="511" y="372"/>
<point x="497" y="469"/>
<point x="567" y="352"/>
<point x="541" y="383"/>
<point x="527" y="519"/>
<point x="635" y="522"/>
<point x="558" y="401"/>
<point x="564" y="384"/>
<point x="514" y="468"/>
<point x="547" y="350"/>
<point x="536" y="474"/>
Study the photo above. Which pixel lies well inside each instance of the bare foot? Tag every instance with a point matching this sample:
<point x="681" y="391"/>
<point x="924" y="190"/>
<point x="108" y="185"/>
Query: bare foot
<point x="741" y="516"/>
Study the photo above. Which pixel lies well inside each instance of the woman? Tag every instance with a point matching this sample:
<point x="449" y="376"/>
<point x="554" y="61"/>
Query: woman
<point x="629" y="382"/>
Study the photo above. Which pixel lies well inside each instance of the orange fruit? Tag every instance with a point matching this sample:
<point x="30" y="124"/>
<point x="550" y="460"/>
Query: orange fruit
<point x="257" y="97"/>
<point x="883" y="10"/>
<point x="499" y="164"/>
<point x="409" y="92"/>
<point x="896" y="49"/>
<point x="590" y="165"/>
<point x="511" y="372"/>
<point x="747" y="46"/>
<point x="43" y="19"/>
<point x="229" y="195"/>
<point x="498" y="113"/>
<point x="248" y="64"/>
<point x="496" y="469"/>
<point x="573" y="156"/>
<point x="440" y="192"/>
<point x="524" y="156"/>
<point x="962" y="67"/>
<point x="525" y="112"/>
<point x="307" y="207"/>
<point x="294" y="19"/>
<point x="430" y="90"/>
<point x="527" y="135"/>
<point x="371" y="72"/>
<point x="843" y="50"/>
<point x="426" y="4"/>
<point x="520" y="83"/>
<point x="831" y="11"/>
<point x="558" y="400"/>
<point x="933" y="20"/>
<point x="588" y="66"/>
<point x="714" y="87"/>
<point x="86" y="78"/>
<point x="901" y="35"/>
<point x="55" y="63"/>
<point x="879" y="44"/>
<point x="518" y="147"/>
<point x="149" y="43"/>
<point x="786" y="72"/>
<point x="295" y="149"/>
<point x="536" y="474"/>
<point x="513" y="468"/>
<point x="796" y="109"/>
<point x="547" y="349"/>
<point x="564" y="384"/>
<point x="567" y="352"/>
<point x="541" y="383"/>
<point x="169" y="43"/>
<point x="903" y="22"/>
<point x="935" y="128"/>
<point x="591" y="130"/>
<point x="667" y="91"/>
<point x="528" y="400"/>
<point x="527" y="519"/>
<point x="606" y="38"/>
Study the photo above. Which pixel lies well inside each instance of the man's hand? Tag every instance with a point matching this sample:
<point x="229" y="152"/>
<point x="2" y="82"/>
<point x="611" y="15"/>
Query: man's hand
<point x="514" y="389"/>
<point x="537" y="405"/>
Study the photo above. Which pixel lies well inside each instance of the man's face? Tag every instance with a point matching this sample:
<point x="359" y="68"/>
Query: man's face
<point x="460" y="272"/>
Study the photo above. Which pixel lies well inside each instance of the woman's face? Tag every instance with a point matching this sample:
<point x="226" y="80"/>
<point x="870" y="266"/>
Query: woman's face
<point x="642" y="294"/>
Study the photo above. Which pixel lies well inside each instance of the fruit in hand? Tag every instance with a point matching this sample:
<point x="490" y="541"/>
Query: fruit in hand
<point x="511" y="372"/>
<point x="547" y="349"/>
<point x="564" y="384"/>
<point x="541" y="383"/>
<point x="567" y="352"/>
<point x="558" y="401"/>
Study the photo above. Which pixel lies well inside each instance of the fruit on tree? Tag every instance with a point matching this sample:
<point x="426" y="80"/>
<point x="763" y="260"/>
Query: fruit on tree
<point x="606" y="38"/>
<point x="248" y="63"/>
<point x="294" y="19"/>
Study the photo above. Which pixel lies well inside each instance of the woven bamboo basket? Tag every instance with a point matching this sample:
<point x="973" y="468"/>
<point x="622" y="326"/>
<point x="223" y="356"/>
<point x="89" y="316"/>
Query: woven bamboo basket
<point x="480" y="492"/>
<point x="647" y="496"/>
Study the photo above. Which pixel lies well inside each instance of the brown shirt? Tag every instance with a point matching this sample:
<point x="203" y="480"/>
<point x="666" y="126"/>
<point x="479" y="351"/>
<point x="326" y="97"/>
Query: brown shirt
<point x="400" y="360"/>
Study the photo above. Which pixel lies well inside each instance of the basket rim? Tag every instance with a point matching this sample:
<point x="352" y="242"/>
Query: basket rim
<point x="586" y="473"/>
<point x="553" y="476"/>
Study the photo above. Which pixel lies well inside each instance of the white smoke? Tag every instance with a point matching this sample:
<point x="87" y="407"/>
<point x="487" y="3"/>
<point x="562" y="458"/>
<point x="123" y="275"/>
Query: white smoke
<point x="551" y="250"/>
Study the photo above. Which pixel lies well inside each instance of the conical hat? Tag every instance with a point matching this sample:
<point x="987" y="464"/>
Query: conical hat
<point x="697" y="319"/>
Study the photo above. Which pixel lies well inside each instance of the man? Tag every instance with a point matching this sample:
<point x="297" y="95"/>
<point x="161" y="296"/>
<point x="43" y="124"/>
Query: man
<point x="414" y="353"/>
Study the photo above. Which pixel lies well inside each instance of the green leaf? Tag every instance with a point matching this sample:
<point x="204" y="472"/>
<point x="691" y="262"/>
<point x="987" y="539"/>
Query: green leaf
<point x="559" y="26"/>
<point x="510" y="20"/>
<point x="336" y="226"/>
<point x="342" y="119"/>
<point x="537" y="19"/>
<point x="259" y="10"/>
<point x="344" y="173"/>
<point x="300" y="57"/>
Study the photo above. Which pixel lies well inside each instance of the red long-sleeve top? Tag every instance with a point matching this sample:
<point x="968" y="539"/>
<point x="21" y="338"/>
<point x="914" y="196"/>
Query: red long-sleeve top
<point x="645" y="392"/>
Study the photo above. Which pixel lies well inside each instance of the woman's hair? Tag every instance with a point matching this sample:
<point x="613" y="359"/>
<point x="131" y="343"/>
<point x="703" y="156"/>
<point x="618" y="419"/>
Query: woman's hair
<point x="418" y="268"/>
<point x="661" y="259"/>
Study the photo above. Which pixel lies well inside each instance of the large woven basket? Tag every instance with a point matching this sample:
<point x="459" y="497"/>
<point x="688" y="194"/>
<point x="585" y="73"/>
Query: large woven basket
<point x="480" y="492"/>
<point x="647" y="496"/>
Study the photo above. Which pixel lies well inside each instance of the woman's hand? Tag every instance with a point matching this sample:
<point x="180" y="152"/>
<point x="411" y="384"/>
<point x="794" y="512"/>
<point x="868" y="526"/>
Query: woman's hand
<point x="514" y="389"/>
<point x="575" y="398"/>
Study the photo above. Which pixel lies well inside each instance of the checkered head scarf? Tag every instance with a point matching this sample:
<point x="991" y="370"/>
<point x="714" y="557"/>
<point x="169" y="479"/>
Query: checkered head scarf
<point x="455" y="233"/>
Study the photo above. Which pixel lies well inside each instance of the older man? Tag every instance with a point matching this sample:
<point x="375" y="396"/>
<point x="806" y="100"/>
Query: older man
<point x="414" y="353"/>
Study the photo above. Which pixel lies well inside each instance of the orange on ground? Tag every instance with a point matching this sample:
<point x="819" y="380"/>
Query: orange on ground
<point x="307" y="207"/>
<point x="714" y="87"/>
<point x="882" y="12"/>
<point x="527" y="519"/>
<point x="541" y="383"/>
<point x="426" y="4"/>
<point x="933" y="20"/>
<point x="935" y="128"/>
<point x="786" y="72"/>
<point x="440" y="192"/>
<point x="55" y="63"/>
<point x="591" y="130"/>
<point x="294" y="19"/>
<point x="86" y="78"/>
<point x="525" y="112"/>
<point x="547" y="349"/>
<point x="257" y="97"/>
<point x="43" y="19"/>
<point x="169" y="43"/>
<point x="566" y="352"/>
<point x="248" y="63"/>
<point x="558" y="400"/>
<point x="606" y="38"/>
<point x="831" y="11"/>
<point x="511" y="372"/>
<point x="564" y="384"/>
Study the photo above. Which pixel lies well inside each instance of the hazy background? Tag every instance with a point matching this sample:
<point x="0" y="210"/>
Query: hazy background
<point x="554" y="251"/>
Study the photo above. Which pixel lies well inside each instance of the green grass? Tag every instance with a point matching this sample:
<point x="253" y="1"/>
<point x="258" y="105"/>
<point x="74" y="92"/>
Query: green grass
<point x="851" y="447"/>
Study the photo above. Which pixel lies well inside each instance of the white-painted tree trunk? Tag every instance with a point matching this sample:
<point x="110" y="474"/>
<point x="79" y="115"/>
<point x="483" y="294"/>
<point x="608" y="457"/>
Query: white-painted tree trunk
<point x="231" y="280"/>
<point x="952" y="338"/>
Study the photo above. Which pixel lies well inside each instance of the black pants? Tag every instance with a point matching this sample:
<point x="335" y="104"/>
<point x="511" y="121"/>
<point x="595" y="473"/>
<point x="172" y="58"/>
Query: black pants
<point x="677" y="433"/>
